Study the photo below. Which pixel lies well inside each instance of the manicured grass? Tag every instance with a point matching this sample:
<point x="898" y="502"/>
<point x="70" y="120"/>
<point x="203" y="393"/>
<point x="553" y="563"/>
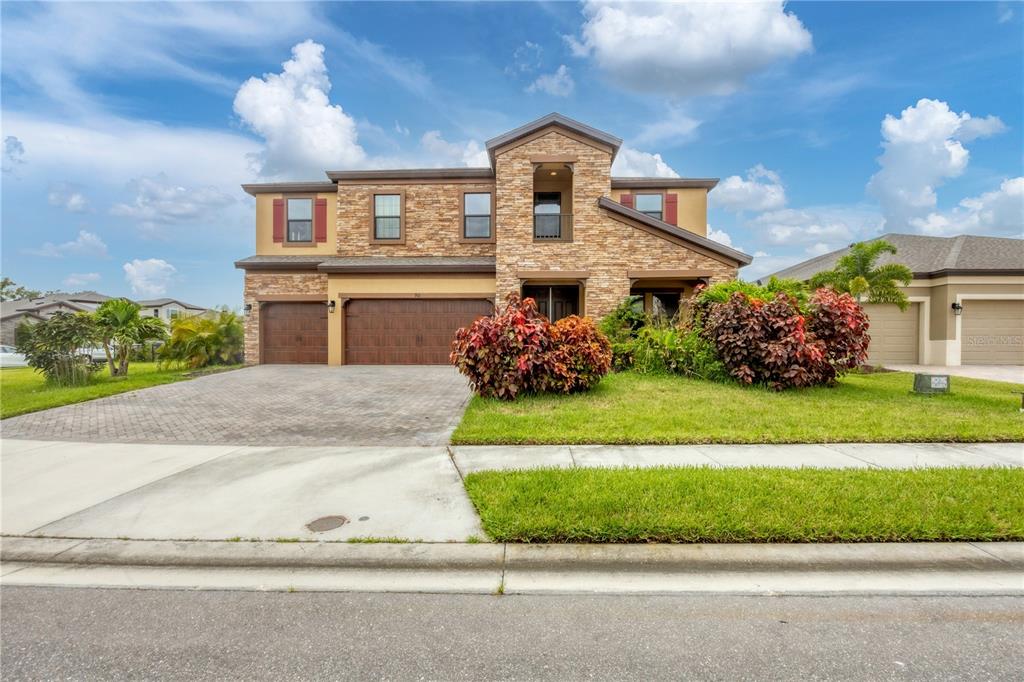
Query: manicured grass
<point x="749" y="505"/>
<point x="634" y="408"/>
<point x="23" y="390"/>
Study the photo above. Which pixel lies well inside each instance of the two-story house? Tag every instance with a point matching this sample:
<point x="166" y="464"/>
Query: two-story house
<point x="382" y="266"/>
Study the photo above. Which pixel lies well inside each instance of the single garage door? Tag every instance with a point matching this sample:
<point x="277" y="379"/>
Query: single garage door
<point x="894" y="334"/>
<point x="406" y="331"/>
<point x="293" y="333"/>
<point x="992" y="333"/>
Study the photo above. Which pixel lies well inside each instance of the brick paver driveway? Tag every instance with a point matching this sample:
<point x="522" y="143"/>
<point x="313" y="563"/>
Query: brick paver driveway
<point x="268" y="405"/>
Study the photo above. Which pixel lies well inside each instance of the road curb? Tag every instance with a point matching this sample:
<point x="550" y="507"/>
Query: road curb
<point x="654" y="558"/>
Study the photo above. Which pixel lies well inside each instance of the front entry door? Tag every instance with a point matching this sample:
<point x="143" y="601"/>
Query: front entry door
<point x="555" y="302"/>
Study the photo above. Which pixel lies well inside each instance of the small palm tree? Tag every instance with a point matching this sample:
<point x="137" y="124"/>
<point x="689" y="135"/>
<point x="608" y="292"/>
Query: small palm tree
<point x="121" y="327"/>
<point x="857" y="274"/>
<point x="200" y="341"/>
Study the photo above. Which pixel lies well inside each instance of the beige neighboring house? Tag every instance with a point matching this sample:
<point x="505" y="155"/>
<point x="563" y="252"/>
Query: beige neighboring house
<point x="382" y="266"/>
<point x="168" y="309"/>
<point x="966" y="301"/>
<point x="12" y="313"/>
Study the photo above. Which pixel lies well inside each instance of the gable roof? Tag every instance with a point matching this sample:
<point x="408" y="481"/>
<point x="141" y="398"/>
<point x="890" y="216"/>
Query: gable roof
<point x="669" y="229"/>
<point x="553" y="119"/>
<point x="157" y="302"/>
<point x="73" y="300"/>
<point x="930" y="257"/>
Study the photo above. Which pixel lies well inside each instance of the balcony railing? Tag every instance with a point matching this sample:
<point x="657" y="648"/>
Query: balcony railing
<point x="552" y="225"/>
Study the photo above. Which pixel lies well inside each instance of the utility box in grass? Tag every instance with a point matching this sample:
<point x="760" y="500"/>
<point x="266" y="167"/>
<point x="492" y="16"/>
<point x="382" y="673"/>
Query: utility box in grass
<point x="931" y="383"/>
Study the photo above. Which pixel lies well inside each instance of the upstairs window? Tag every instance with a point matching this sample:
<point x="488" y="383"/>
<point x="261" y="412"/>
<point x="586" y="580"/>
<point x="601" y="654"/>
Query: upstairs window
<point x="476" y="215"/>
<point x="387" y="217"/>
<point x="650" y="204"/>
<point x="300" y="220"/>
<point x="547" y="215"/>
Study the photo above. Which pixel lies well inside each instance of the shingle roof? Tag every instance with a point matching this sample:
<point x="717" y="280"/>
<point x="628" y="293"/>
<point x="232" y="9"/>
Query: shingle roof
<point x="657" y="183"/>
<point x="156" y="302"/>
<point x="695" y="239"/>
<point x="370" y="263"/>
<point x="557" y="119"/>
<point x="930" y="256"/>
<point x="279" y="262"/>
<point x="73" y="300"/>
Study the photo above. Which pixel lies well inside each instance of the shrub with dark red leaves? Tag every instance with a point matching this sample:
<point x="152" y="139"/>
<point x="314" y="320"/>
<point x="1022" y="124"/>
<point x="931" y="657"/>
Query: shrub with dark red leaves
<point x="507" y="353"/>
<point x="839" y="322"/>
<point x="579" y="357"/>
<point x="772" y="343"/>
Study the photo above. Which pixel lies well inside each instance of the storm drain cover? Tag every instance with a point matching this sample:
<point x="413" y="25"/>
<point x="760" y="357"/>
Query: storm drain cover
<point x="326" y="523"/>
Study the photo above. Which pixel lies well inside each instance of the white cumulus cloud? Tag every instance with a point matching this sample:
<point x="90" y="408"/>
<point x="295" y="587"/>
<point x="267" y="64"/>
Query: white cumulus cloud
<point x="637" y="164"/>
<point x="77" y="280"/>
<point x="304" y="134"/>
<point x="761" y="190"/>
<point x="833" y="226"/>
<point x="150" y="277"/>
<point x="444" y="153"/>
<point x="997" y="212"/>
<point x="558" y="84"/>
<point x="923" y="148"/>
<point x="87" y="244"/>
<point x="685" y="49"/>
<point x="159" y="202"/>
<point x="68" y="197"/>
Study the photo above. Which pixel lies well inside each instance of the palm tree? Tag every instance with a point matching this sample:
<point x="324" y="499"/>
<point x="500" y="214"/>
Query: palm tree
<point x="856" y="273"/>
<point x="121" y="327"/>
<point x="199" y="341"/>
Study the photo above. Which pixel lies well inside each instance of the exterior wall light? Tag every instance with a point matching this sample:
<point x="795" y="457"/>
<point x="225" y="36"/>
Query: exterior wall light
<point x="248" y="308"/>
<point x="957" y="309"/>
<point x="331" y="306"/>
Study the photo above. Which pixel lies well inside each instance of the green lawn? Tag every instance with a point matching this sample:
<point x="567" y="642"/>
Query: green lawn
<point x="22" y="389"/>
<point x="749" y="505"/>
<point x="634" y="408"/>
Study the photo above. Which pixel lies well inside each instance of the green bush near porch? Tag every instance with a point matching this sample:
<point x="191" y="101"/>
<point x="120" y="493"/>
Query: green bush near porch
<point x="630" y="408"/>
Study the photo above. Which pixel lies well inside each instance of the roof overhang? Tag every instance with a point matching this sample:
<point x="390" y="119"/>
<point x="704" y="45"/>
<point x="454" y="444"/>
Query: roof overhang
<point x="370" y="268"/>
<point x="659" y="183"/>
<point x="279" y="263"/>
<point x="556" y="120"/>
<point x="967" y="272"/>
<point x="660" y="226"/>
<point x="359" y="177"/>
<point x="288" y="187"/>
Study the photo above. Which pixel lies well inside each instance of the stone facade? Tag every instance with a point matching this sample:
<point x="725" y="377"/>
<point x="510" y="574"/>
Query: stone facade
<point x="432" y="226"/>
<point x="275" y="284"/>
<point x="604" y="247"/>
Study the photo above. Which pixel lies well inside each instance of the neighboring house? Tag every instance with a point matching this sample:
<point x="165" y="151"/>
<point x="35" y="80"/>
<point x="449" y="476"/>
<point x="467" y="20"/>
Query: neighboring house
<point x="12" y="313"/>
<point x="966" y="301"/>
<point x="168" y="309"/>
<point x="382" y="266"/>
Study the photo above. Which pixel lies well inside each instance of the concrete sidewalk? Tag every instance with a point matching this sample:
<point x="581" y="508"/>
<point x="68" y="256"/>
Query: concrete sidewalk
<point x="867" y="568"/>
<point x="830" y="456"/>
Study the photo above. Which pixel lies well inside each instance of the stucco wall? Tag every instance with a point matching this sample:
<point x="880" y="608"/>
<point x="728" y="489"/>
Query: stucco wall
<point x="692" y="214"/>
<point x="265" y="244"/>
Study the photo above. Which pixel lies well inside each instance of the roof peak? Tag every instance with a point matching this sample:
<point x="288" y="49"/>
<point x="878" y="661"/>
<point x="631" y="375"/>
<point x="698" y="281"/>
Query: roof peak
<point x="556" y="119"/>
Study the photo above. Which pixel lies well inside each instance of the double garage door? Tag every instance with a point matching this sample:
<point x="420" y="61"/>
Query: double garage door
<point x="377" y="331"/>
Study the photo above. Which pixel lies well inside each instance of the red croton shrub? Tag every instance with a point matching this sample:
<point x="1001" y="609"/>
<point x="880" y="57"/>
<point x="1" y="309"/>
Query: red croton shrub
<point x="579" y="357"/>
<point x="505" y="354"/>
<point x="773" y="343"/>
<point x="517" y="351"/>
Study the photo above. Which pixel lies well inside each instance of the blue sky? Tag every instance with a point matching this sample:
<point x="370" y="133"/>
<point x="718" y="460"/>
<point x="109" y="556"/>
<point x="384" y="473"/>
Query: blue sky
<point x="128" y="128"/>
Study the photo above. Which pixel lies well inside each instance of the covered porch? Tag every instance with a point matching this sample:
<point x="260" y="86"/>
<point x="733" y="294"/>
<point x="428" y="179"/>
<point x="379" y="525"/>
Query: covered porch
<point x="664" y="293"/>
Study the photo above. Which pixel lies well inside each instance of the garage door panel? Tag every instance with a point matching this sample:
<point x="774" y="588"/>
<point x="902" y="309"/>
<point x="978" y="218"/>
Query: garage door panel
<point x="992" y="333"/>
<point x="293" y="333"/>
<point x="406" y="331"/>
<point x="895" y="334"/>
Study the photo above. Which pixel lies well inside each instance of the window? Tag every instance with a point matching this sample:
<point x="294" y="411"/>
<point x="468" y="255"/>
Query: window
<point x="300" y="220"/>
<point x="476" y="215"/>
<point x="547" y="218"/>
<point x="650" y="204"/>
<point x="156" y="312"/>
<point x="387" y="216"/>
<point x="173" y="313"/>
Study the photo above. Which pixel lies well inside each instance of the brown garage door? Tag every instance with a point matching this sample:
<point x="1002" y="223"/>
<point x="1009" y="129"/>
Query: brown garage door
<point x="294" y="333"/>
<point x="992" y="333"/>
<point x="406" y="331"/>
<point x="894" y="334"/>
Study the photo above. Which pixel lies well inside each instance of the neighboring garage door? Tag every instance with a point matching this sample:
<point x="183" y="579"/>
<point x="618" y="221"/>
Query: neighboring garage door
<point x="894" y="334"/>
<point x="294" y="333"/>
<point x="992" y="333"/>
<point x="406" y="331"/>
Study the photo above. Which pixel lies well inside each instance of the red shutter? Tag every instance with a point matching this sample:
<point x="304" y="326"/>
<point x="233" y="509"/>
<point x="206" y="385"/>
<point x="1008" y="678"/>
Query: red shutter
<point x="672" y="209"/>
<point x="626" y="200"/>
<point x="278" y="220"/>
<point x="320" y="221"/>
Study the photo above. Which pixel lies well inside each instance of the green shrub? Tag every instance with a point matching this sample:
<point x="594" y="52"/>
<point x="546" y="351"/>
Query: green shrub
<point x="621" y="327"/>
<point x="665" y="349"/>
<point x="723" y="291"/>
<point x="53" y="346"/>
<point x="199" y="341"/>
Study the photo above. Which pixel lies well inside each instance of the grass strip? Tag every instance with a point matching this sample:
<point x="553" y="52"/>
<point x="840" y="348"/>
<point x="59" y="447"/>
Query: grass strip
<point x="759" y="504"/>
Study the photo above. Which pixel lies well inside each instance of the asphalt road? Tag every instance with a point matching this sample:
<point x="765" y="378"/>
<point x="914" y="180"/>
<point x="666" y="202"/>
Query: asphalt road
<point x="51" y="633"/>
